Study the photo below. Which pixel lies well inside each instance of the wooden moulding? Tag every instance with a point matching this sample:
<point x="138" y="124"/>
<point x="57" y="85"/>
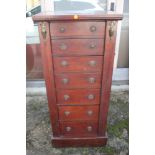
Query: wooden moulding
<point x="79" y="142"/>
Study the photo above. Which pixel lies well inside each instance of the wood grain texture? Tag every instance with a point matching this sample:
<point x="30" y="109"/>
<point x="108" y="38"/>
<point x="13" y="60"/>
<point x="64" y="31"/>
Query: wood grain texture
<point x="78" y="113"/>
<point x="107" y="78"/>
<point x="77" y="47"/>
<point x="78" y="96"/>
<point x="77" y="28"/>
<point x="79" y="141"/>
<point x="78" y="64"/>
<point x="79" y="129"/>
<point x="45" y="46"/>
<point x="78" y="80"/>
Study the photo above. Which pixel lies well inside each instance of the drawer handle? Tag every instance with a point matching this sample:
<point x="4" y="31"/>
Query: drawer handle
<point x="92" y="46"/>
<point x="65" y="80"/>
<point x="92" y="63"/>
<point x="66" y="97"/>
<point x="67" y="113"/>
<point x="63" y="46"/>
<point x="93" y="28"/>
<point x="62" y="29"/>
<point x="64" y="63"/>
<point x="68" y="128"/>
<point x="89" y="128"/>
<point x="92" y="80"/>
<point x="91" y="96"/>
<point x="89" y="112"/>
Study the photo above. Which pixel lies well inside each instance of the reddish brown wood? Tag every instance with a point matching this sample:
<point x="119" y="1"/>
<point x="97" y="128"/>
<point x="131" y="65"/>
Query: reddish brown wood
<point x="49" y="78"/>
<point x="78" y="96"/>
<point x="80" y="129"/>
<point x="78" y="80"/>
<point x="96" y="15"/>
<point x="77" y="28"/>
<point x="107" y="77"/>
<point x="78" y="112"/>
<point x="77" y="47"/>
<point x="79" y="141"/>
<point x="78" y="64"/>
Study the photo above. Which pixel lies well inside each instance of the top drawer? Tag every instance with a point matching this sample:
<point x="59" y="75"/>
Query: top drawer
<point x="64" y="29"/>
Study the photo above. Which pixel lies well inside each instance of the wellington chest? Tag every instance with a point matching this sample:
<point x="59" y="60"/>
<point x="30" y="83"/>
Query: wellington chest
<point x="78" y="53"/>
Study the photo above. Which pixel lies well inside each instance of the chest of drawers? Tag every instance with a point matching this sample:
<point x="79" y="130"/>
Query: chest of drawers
<point x="78" y="53"/>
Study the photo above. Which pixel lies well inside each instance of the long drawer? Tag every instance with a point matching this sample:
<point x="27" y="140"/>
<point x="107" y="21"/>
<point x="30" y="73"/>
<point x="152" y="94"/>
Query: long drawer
<point x="73" y="47"/>
<point x="78" y="80"/>
<point x="78" y="96"/>
<point x="61" y="29"/>
<point x="78" y="64"/>
<point x="72" y="113"/>
<point x="88" y="128"/>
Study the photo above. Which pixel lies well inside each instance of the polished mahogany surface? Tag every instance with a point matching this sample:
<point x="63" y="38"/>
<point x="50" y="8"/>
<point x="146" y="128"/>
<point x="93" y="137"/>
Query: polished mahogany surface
<point x="78" y="53"/>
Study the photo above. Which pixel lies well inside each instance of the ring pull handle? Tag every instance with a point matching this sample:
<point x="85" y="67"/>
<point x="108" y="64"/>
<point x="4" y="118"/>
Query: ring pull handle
<point x="92" y="63"/>
<point x="65" y="80"/>
<point x="92" y="80"/>
<point x="66" y="97"/>
<point x="91" y="96"/>
<point x="89" y="112"/>
<point x="62" y="29"/>
<point x="89" y="128"/>
<point x="93" y="28"/>
<point x="64" y="63"/>
<point x="92" y="46"/>
<point x="67" y="113"/>
<point x="68" y="128"/>
<point x="63" y="46"/>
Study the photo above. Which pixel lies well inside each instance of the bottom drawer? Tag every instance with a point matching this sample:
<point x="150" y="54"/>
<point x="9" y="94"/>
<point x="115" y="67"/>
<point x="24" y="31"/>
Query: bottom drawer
<point x="78" y="129"/>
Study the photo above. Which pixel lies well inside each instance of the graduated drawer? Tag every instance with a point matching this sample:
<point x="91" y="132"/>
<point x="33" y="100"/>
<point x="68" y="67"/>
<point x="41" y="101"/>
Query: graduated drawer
<point x="65" y="29"/>
<point x="78" y="64"/>
<point x="67" y="47"/>
<point x="79" y="128"/>
<point x="75" y="80"/>
<point x="71" y="113"/>
<point x="78" y="96"/>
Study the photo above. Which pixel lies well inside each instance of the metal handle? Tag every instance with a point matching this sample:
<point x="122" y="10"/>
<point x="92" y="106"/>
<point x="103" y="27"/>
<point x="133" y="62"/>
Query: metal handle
<point x="111" y="28"/>
<point x="67" y="113"/>
<point x="64" y="63"/>
<point x="91" y="80"/>
<point x="89" y="112"/>
<point x="66" y="97"/>
<point x="62" y="29"/>
<point x="93" y="28"/>
<point x="92" y="46"/>
<point x="92" y="63"/>
<point x="68" y="128"/>
<point x="65" y="80"/>
<point x="63" y="46"/>
<point x="43" y="30"/>
<point x="91" y="96"/>
<point x="89" y="128"/>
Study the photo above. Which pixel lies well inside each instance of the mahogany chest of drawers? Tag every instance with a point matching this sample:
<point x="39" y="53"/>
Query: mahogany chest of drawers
<point x="78" y="54"/>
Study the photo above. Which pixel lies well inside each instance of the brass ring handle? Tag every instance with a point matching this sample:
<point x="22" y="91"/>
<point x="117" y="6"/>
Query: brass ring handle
<point x="66" y="97"/>
<point x="67" y="113"/>
<point x="91" y="80"/>
<point x="93" y="28"/>
<point x="65" y="80"/>
<point x="64" y="63"/>
<point x="63" y="46"/>
<point x="89" y="112"/>
<point x="92" y="46"/>
<point x="92" y="63"/>
<point x="68" y="128"/>
<point x="91" y="96"/>
<point x="89" y="128"/>
<point x="62" y="29"/>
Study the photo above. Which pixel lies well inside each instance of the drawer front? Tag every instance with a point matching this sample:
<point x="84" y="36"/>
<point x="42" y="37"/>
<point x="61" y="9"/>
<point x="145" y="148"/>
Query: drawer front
<point x="70" y="113"/>
<point x="63" y="29"/>
<point x="78" y="96"/>
<point x="79" y="128"/>
<point x="75" y="80"/>
<point x="78" y="64"/>
<point x="67" y="47"/>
